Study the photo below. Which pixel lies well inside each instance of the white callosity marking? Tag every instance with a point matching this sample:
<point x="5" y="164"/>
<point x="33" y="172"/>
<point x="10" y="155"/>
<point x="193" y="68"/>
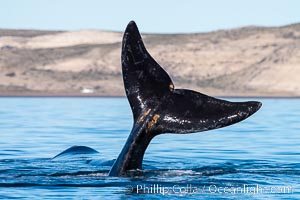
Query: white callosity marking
<point x="141" y="102"/>
<point x="232" y="116"/>
<point x="175" y="120"/>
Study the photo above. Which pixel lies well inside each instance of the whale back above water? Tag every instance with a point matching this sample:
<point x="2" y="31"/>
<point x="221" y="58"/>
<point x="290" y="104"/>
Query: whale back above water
<point x="76" y="150"/>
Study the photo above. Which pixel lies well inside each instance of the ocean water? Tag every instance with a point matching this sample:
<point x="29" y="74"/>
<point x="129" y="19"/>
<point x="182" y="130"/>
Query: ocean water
<point x="254" y="159"/>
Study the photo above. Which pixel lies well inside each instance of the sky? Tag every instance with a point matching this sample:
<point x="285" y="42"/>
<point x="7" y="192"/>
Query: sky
<point x="152" y="16"/>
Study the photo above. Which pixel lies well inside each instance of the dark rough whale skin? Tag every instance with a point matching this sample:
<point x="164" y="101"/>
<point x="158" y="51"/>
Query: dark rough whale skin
<point x="160" y="108"/>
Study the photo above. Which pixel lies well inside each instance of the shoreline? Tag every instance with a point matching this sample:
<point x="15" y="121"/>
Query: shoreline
<point x="235" y="63"/>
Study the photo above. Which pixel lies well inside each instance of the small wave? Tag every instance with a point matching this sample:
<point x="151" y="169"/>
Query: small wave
<point x="81" y="173"/>
<point x="94" y="173"/>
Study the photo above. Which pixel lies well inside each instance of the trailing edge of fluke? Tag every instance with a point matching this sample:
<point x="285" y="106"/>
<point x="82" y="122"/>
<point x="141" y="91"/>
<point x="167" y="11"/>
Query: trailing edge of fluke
<point x="158" y="107"/>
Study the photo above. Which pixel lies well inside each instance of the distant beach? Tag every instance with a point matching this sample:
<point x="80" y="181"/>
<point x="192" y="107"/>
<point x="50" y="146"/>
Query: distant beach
<point x="242" y="62"/>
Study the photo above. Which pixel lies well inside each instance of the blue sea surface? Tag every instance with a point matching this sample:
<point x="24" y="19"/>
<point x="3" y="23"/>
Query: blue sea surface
<point x="255" y="159"/>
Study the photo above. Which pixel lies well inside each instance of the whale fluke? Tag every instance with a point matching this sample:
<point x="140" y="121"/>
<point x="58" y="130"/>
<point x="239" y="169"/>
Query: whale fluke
<point x="158" y="107"/>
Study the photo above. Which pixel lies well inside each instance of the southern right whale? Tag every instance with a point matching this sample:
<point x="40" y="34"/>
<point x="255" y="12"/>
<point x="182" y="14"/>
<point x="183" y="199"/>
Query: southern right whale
<point x="158" y="107"/>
